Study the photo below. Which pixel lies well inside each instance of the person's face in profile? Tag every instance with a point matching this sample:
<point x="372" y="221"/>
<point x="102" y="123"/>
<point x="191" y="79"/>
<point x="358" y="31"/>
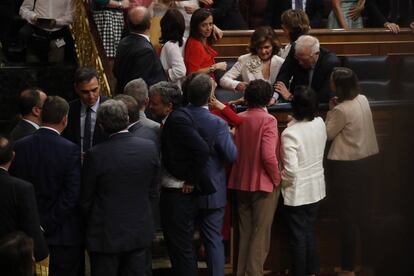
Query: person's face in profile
<point x="158" y="108"/>
<point x="264" y="51"/>
<point x="88" y="92"/>
<point x="206" y="27"/>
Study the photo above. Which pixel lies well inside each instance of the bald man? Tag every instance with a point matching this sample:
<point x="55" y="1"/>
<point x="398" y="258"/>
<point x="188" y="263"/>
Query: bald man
<point x="30" y="106"/>
<point x="135" y="57"/>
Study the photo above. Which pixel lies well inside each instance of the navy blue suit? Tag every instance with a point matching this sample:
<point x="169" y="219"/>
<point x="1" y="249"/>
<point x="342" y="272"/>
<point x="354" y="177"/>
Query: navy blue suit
<point x="52" y="164"/>
<point x="206" y="140"/>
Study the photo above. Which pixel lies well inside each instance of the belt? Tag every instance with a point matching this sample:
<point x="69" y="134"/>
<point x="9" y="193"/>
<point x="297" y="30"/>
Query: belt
<point x="50" y="35"/>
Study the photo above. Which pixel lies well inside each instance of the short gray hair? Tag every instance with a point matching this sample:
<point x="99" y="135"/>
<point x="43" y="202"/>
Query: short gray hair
<point x="307" y="41"/>
<point x="113" y="116"/>
<point x="137" y="89"/>
<point x="169" y="93"/>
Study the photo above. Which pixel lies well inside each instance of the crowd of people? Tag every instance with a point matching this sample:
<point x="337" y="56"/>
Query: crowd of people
<point x="96" y="174"/>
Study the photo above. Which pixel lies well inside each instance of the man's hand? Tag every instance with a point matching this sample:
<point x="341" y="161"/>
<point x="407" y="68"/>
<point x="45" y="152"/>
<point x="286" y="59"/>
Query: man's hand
<point x="392" y="27"/>
<point x="241" y="86"/>
<point x="280" y="87"/>
<point x="187" y="188"/>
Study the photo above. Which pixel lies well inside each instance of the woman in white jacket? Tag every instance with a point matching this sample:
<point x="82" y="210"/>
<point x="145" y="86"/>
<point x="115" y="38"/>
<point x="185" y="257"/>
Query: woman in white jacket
<point x="261" y="63"/>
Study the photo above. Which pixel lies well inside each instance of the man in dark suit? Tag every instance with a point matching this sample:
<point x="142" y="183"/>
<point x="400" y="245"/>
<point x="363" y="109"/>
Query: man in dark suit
<point x="115" y="197"/>
<point x="82" y="128"/>
<point x="30" y="106"/>
<point x="226" y="14"/>
<point x="52" y="164"/>
<point x="135" y="56"/>
<point x="195" y="144"/>
<point x="307" y="64"/>
<point x="18" y="208"/>
<point x="313" y="8"/>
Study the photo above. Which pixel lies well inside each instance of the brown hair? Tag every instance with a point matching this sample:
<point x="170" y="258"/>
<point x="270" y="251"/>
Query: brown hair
<point x="346" y="83"/>
<point x="260" y="36"/>
<point x="297" y="22"/>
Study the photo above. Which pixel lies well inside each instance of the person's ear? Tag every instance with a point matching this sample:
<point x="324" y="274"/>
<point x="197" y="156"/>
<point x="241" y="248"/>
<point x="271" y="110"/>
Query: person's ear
<point x="36" y="111"/>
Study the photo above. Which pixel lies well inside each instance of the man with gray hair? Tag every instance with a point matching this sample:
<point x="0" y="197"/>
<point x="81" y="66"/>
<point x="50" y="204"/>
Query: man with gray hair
<point x="307" y="64"/>
<point x="138" y="89"/>
<point x="118" y="213"/>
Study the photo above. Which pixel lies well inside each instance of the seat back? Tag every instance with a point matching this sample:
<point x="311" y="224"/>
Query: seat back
<point x="406" y="77"/>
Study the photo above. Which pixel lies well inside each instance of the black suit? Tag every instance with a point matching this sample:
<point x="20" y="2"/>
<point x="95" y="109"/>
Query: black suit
<point x="72" y="131"/>
<point x="22" y="129"/>
<point x="227" y="15"/>
<point x="136" y="58"/>
<point x="119" y="175"/>
<point x="313" y="8"/>
<point x="18" y="212"/>
<point x="381" y="11"/>
<point x="327" y="61"/>
<point x="52" y="164"/>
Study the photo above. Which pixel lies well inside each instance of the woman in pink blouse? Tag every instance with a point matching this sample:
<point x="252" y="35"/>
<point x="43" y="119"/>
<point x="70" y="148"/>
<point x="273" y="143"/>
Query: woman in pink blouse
<point x="255" y="176"/>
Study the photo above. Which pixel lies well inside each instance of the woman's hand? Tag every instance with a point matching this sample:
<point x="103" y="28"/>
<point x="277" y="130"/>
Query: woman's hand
<point x="280" y="87"/>
<point x="190" y="9"/>
<point x="241" y="86"/>
<point x="355" y="12"/>
<point x="215" y="103"/>
<point x="237" y="102"/>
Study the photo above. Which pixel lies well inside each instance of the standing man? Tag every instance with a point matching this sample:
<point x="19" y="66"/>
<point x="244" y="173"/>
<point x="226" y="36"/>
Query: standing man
<point x="195" y="144"/>
<point x="115" y="198"/>
<point x="164" y="97"/>
<point x="135" y="57"/>
<point x="82" y="128"/>
<point x="307" y="64"/>
<point x="46" y="33"/>
<point x="138" y="89"/>
<point x="30" y="106"/>
<point x="52" y="164"/>
<point x="18" y="208"/>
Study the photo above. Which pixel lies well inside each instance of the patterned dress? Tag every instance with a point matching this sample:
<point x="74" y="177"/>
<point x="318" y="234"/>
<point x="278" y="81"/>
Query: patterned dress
<point x="346" y="6"/>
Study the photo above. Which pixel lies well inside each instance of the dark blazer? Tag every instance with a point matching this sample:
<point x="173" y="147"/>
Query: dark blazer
<point x="22" y="129"/>
<point x="52" y="164"/>
<point x="18" y="212"/>
<point x="140" y="130"/>
<point x="136" y="58"/>
<point x="200" y="148"/>
<point x="378" y="12"/>
<point x="327" y="61"/>
<point x="72" y="131"/>
<point x="119" y="175"/>
<point x="227" y="15"/>
<point x="314" y="10"/>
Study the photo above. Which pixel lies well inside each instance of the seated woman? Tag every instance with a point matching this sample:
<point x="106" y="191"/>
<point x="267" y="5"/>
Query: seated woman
<point x="294" y="24"/>
<point x="346" y="14"/>
<point x="261" y="63"/>
<point x="172" y="32"/>
<point x="255" y="177"/>
<point x="350" y="126"/>
<point x="303" y="183"/>
<point x="199" y="56"/>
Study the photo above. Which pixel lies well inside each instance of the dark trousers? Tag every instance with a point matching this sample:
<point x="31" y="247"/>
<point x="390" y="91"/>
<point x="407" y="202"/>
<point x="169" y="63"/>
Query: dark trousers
<point x="131" y="263"/>
<point x="66" y="261"/>
<point x="352" y="180"/>
<point x="302" y="240"/>
<point x="178" y="214"/>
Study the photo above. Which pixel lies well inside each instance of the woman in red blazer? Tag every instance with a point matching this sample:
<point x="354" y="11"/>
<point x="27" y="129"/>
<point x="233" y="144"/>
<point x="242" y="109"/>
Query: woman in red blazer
<point x="199" y="55"/>
<point x="255" y="176"/>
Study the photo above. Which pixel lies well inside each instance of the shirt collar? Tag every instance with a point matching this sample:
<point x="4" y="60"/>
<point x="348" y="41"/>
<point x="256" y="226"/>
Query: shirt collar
<point x="133" y="124"/>
<point x="3" y="168"/>
<point x="144" y="35"/>
<point x="49" y="128"/>
<point x="36" y="126"/>
<point x="94" y="107"/>
<point x="165" y="119"/>
<point x="122" y="131"/>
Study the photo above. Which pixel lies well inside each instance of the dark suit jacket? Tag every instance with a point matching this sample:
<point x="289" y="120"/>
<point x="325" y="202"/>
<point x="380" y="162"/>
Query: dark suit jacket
<point x="227" y="15"/>
<point x="22" y="129"/>
<point x="52" y="164"/>
<point x="314" y="10"/>
<point x="136" y="58"/>
<point x="327" y="61"/>
<point x="115" y="196"/>
<point x="378" y="10"/>
<point x="18" y="212"/>
<point x="199" y="147"/>
<point x="142" y="131"/>
<point x="72" y="131"/>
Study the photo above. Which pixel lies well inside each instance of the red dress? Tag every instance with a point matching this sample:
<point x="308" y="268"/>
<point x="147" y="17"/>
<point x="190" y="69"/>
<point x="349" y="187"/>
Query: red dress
<point x="197" y="55"/>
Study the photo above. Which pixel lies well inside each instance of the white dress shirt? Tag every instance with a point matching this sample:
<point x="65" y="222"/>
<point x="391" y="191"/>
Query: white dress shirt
<point x="302" y="149"/>
<point x="60" y="10"/>
<point x="36" y="126"/>
<point x="173" y="62"/>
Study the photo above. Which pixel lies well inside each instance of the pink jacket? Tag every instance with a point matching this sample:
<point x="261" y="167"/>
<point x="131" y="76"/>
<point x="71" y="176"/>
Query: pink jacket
<point x="257" y="139"/>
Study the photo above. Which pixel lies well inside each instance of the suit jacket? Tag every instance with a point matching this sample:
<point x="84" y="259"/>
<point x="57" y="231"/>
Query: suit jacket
<point x="52" y="164"/>
<point x="140" y="130"/>
<point x="119" y="175"/>
<point x="313" y="8"/>
<point x="378" y="12"/>
<point x="327" y="61"/>
<point x="72" y="131"/>
<point x="136" y="58"/>
<point x="200" y="148"/>
<point x="18" y="212"/>
<point x="241" y="68"/>
<point x="227" y="15"/>
<point x="22" y="129"/>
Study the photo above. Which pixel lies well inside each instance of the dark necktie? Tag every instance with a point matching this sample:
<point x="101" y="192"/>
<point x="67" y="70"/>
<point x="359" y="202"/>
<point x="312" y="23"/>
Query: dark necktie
<point x="87" y="130"/>
<point x="298" y="5"/>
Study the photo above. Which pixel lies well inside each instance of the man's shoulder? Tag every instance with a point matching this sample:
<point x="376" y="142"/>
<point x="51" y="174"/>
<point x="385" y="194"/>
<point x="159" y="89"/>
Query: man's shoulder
<point x="329" y="57"/>
<point x="19" y="184"/>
